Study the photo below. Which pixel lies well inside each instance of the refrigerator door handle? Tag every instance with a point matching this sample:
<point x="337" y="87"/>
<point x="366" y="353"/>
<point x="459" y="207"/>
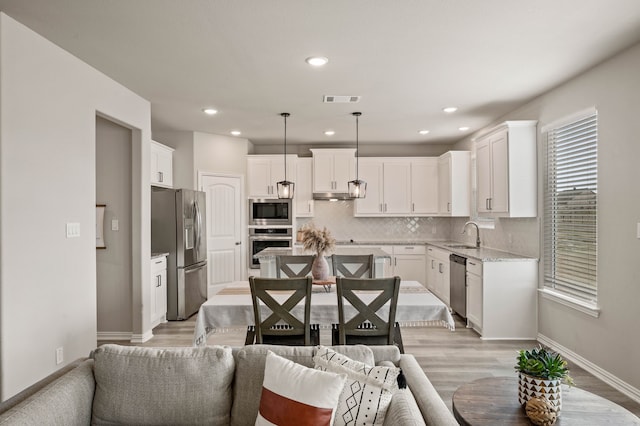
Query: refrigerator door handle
<point x="198" y="229"/>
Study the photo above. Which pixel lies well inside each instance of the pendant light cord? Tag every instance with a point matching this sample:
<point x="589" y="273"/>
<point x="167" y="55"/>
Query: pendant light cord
<point x="357" y="115"/>
<point x="285" y="115"/>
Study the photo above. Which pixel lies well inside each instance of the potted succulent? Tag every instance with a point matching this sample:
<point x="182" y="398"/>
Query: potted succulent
<point x="541" y="372"/>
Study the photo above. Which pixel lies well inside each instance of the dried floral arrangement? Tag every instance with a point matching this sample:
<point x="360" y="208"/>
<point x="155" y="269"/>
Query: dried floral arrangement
<point x="317" y="240"/>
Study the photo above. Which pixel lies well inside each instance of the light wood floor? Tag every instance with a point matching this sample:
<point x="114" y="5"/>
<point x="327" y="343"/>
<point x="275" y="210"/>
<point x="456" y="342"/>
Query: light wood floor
<point x="448" y="358"/>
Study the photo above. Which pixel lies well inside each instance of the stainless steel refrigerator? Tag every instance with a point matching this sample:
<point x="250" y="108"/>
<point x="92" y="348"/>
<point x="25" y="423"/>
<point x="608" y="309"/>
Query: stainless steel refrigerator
<point x="178" y="228"/>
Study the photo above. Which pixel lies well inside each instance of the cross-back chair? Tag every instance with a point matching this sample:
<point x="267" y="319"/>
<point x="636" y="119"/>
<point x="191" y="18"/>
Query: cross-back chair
<point x="369" y="325"/>
<point x="352" y="266"/>
<point x="293" y="266"/>
<point x="281" y="326"/>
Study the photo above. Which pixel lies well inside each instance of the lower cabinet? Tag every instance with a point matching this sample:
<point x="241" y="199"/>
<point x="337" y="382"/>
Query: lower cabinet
<point x="438" y="281"/>
<point x="502" y="299"/>
<point x="408" y="262"/>
<point x="158" y="311"/>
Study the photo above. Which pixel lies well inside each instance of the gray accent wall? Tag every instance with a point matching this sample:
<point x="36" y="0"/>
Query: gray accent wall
<point x="113" y="264"/>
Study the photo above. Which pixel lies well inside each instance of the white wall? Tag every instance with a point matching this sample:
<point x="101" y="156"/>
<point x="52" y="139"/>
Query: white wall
<point x="113" y="264"/>
<point x="220" y="154"/>
<point x="611" y="341"/>
<point x="48" y="105"/>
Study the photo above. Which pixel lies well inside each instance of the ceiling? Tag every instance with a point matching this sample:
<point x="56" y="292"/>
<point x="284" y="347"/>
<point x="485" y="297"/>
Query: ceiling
<point x="406" y="59"/>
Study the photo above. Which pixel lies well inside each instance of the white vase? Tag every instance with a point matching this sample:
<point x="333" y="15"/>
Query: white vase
<point x="320" y="268"/>
<point x="529" y="387"/>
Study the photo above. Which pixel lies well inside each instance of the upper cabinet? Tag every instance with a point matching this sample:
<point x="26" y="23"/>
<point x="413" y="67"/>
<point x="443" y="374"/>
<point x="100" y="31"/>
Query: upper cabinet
<point x="303" y="195"/>
<point x="265" y="171"/>
<point x="506" y="170"/>
<point x="398" y="187"/>
<point x="454" y="183"/>
<point x="333" y="169"/>
<point x="161" y="165"/>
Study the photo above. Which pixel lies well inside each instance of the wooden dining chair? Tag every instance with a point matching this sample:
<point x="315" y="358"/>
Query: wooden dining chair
<point x="352" y="266"/>
<point x="367" y="326"/>
<point x="281" y="327"/>
<point x="293" y="266"/>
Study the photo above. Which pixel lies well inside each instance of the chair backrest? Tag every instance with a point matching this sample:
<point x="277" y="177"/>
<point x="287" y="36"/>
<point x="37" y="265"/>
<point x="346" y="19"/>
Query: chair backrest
<point x="376" y="324"/>
<point x="352" y="266"/>
<point x="297" y="289"/>
<point x="294" y="266"/>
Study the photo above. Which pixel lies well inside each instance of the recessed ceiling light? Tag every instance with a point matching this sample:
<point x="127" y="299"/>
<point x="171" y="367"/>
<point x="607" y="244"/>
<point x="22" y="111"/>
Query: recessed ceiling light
<point x="329" y="133"/>
<point x="210" y="111"/>
<point x="463" y="128"/>
<point x="317" y="61"/>
<point x="423" y="132"/>
<point x="236" y="132"/>
<point x="449" y="110"/>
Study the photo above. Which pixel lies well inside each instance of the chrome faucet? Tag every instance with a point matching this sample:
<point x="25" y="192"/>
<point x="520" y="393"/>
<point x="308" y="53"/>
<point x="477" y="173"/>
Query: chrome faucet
<point x="477" y="232"/>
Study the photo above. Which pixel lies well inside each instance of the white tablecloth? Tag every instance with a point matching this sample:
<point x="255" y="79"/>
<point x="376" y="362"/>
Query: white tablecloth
<point x="231" y="308"/>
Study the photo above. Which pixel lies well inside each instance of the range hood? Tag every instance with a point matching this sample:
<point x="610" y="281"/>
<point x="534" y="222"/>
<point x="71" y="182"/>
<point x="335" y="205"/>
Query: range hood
<point x="331" y="196"/>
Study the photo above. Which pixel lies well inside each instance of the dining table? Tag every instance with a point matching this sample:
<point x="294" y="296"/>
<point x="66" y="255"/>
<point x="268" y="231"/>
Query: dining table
<point x="231" y="309"/>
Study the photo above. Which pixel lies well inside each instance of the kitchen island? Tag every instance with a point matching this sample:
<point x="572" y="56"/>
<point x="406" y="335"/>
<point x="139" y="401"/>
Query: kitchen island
<point x="267" y="258"/>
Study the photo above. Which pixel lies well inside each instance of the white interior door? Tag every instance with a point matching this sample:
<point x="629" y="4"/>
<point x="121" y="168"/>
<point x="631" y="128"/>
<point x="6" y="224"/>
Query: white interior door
<point x="224" y="228"/>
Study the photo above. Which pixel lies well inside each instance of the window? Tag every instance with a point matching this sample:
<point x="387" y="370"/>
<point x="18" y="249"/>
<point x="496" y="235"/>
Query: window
<point x="571" y="209"/>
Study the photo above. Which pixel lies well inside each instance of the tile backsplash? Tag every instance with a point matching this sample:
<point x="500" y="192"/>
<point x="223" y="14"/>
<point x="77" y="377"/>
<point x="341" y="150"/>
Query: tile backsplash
<point x="337" y="216"/>
<point x="513" y="235"/>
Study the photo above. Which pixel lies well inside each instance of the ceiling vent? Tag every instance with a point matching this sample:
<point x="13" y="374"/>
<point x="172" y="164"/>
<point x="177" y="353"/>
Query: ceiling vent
<point x="330" y="99"/>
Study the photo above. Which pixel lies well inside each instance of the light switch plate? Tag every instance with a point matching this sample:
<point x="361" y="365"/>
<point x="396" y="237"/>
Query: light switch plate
<point x="115" y="225"/>
<point x="73" y="230"/>
<point x="638" y="230"/>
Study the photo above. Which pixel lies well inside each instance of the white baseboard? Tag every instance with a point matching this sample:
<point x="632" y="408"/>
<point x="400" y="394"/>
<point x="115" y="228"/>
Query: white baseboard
<point x="605" y="376"/>
<point x="141" y="338"/>
<point x="114" y="335"/>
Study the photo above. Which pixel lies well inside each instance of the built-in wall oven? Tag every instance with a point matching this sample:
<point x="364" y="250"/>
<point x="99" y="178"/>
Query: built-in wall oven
<point x="270" y="212"/>
<point x="261" y="238"/>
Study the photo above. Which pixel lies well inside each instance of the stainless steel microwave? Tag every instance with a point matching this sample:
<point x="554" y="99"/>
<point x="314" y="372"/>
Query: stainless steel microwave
<point x="269" y="212"/>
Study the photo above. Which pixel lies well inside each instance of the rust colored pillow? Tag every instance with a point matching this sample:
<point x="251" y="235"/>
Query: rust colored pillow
<point x="295" y="395"/>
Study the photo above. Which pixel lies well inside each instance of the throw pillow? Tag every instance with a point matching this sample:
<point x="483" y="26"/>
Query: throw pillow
<point x="367" y="392"/>
<point x="177" y="386"/>
<point x="295" y="395"/>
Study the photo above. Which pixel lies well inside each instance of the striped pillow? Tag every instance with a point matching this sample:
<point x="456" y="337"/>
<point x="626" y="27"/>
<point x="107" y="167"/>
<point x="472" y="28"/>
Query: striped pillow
<point x="293" y="394"/>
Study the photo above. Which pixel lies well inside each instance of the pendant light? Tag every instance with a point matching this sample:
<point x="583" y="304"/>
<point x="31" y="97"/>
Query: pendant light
<point x="285" y="187"/>
<point x="357" y="187"/>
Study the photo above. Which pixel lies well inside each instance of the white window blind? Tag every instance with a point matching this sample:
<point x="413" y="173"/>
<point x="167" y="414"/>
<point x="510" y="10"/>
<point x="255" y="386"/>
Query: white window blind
<point x="571" y="208"/>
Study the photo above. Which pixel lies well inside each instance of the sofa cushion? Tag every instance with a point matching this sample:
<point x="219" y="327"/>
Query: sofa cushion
<point x="360" y="353"/>
<point x="403" y="410"/>
<point x="249" y="376"/>
<point x="367" y="392"/>
<point x="295" y="395"/>
<point x="144" y="386"/>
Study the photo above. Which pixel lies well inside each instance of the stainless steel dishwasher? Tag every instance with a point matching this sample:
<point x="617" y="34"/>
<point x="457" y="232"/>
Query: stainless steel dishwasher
<point x="458" y="284"/>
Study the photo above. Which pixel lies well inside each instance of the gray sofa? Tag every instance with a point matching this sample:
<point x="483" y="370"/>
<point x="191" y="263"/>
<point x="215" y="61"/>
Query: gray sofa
<point x="208" y="385"/>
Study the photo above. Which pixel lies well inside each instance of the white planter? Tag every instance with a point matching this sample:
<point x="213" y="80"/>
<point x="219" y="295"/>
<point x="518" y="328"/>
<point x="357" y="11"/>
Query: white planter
<point x="529" y="387"/>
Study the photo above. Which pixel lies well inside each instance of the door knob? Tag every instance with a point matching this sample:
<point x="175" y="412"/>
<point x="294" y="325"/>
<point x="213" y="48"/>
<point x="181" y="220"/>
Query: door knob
<point x="238" y="243"/>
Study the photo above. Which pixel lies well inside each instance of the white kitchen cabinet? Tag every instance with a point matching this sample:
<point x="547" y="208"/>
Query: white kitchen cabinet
<point x="265" y="171"/>
<point x="158" y="308"/>
<point x="333" y="169"/>
<point x="438" y="281"/>
<point x="398" y="187"/>
<point x="424" y="186"/>
<point x="506" y="170"/>
<point x="454" y="183"/>
<point x="408" y="262"/>
<point x="161" y="165"/>
<point x="502" y="299"/>
<point x="474" y="294"/>
<point x="303" y="195"/>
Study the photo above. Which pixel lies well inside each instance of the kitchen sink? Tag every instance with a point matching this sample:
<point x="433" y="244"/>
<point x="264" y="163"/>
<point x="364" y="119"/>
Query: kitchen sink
<point x="460" y="246"/>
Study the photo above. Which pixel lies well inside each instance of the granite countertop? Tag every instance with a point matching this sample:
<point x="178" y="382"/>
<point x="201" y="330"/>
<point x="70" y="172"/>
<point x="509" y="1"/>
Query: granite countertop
<point x="156" y="255"/>
<point x="272" y="252"/>
<point x="484" y="254"/>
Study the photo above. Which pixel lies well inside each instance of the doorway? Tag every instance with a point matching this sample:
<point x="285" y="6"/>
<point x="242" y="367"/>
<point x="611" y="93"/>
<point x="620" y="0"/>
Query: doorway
<point x="114" y="262"/>
<point x="225" y="219"/>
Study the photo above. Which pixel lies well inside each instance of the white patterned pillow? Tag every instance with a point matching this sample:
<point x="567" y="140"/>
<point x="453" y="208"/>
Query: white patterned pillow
<point x="295" y="395"/>
<point x="367" y="392"/>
